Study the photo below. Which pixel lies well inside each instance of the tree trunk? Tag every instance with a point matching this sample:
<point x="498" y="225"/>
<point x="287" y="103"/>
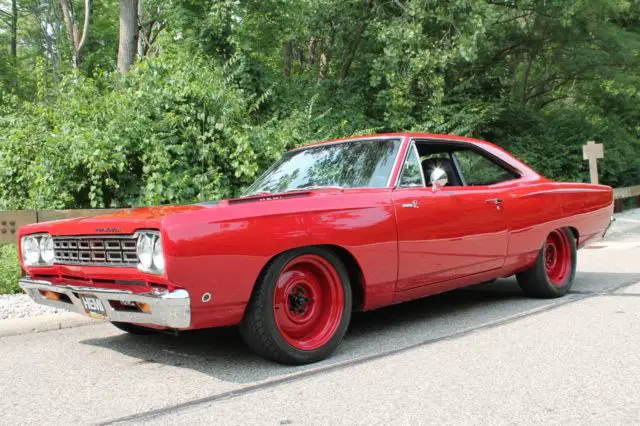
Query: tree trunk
<point x="14" y="29"/>
<point x="76" y="41"/>
<point x="141" y="40"/>
<point x="128" y="34"/>
<point x="288" y="58"/>
<point x="353" y="47"/>
<point x="525" y="79"/>
<point x="311" y="53"/>
<point x="325" y="55"/>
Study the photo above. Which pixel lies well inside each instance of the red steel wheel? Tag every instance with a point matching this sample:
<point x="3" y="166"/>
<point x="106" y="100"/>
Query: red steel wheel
<point x="557" y="257"/>
<point x="552" y="274"/>
<point x="308" y="302"/>
<point x="300" y="308"/>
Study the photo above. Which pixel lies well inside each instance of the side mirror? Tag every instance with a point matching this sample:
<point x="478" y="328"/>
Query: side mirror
<point x="438" y="179"/>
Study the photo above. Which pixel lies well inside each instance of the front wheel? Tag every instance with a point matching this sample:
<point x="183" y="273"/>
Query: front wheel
<point x="554" y="270"/>
<point x="300" y="309"/>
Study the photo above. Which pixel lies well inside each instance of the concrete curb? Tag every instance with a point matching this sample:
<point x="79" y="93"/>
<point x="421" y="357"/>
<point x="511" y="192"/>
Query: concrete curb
<point x="37" y="324"/>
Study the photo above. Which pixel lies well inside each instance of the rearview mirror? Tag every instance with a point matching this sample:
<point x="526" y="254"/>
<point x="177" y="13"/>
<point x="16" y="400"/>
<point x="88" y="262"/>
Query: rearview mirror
<point x="438" y="179"/>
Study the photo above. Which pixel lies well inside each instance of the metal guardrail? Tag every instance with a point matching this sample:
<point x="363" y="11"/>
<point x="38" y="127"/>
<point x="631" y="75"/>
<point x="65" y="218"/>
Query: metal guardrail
<point x="628" y="192"/>
<point x="12" y="220"/>
<point x="621" y="194"/>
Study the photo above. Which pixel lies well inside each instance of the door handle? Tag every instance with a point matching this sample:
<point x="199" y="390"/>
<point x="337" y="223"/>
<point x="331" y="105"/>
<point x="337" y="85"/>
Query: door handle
<point x="496" y="201"/>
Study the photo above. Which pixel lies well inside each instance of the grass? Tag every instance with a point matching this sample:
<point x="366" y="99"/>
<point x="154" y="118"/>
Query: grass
<point x="9" y="269"/>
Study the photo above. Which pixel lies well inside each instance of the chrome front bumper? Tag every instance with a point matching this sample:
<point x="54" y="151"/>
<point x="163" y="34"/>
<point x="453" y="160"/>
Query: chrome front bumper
<point x="168" y="309"/>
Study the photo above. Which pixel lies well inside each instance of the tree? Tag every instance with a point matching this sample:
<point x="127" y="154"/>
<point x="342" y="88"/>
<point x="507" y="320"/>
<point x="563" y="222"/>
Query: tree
<point x="14" y="28"/>
<point x="11" y="20"/>
<point x="539" y="77"/>
<point x="128" y="34"/>
<point x="77" y="39"/>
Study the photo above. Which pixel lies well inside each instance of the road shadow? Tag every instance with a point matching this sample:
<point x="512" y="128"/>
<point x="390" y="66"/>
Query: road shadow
<point x="222" y="354"/>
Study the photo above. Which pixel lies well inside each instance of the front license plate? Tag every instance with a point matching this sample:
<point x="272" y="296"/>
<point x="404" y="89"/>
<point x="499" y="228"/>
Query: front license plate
<point x="93" y="306"/>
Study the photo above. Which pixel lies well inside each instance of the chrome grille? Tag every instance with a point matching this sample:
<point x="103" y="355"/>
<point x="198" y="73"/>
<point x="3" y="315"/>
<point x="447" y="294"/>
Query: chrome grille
<point x="96" y="250"/>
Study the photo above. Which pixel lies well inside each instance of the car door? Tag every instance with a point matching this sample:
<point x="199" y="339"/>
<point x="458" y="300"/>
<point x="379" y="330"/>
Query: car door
<point x="448" y="233"/>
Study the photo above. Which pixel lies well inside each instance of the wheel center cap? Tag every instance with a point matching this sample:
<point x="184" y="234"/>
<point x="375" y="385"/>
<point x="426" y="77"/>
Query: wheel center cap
<point x="298" y="301"/>
<point x="550" y="256"/>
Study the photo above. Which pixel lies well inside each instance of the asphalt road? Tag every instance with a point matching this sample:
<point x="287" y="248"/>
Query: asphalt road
<point x="485" y="354"/>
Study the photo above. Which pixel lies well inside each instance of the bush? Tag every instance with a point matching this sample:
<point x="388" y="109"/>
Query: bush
<point x="9" y="269"/>
<point x="175" y="130"/>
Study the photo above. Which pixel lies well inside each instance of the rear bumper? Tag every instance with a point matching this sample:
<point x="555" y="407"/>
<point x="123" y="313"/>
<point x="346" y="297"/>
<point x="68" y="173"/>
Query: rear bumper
<point x="167" y="309"/>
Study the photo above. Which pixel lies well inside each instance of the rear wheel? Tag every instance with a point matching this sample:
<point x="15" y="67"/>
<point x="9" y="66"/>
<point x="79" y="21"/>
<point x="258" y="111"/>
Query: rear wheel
<point x="132" y="328"/>
<point x="301" y="307"/>
<point x="554" y="270"/>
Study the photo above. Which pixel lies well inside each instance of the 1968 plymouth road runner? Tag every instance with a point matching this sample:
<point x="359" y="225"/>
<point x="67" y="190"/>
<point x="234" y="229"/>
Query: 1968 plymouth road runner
<point x="353" y="224"/>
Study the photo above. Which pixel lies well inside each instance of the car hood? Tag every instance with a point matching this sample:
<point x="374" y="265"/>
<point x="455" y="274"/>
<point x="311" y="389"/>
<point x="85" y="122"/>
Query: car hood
<point x="130" y="220"/>
<point x="126" y="221"/>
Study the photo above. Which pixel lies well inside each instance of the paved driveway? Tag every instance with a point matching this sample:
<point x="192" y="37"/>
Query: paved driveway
<point x="481" y="355"/>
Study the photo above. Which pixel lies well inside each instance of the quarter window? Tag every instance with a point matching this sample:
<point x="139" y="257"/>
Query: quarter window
<point x="412" y="170"/>
<point x="479" y="170"/>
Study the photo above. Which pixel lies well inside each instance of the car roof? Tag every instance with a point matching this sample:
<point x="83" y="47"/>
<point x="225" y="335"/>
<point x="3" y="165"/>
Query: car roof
<point x="432" y="136"/>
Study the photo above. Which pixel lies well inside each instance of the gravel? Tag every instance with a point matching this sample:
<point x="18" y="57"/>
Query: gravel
<point x="21" y="306"/>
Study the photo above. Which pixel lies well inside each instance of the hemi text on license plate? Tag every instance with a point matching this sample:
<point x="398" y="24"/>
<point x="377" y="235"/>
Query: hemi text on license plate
<point x="93" y="305"/>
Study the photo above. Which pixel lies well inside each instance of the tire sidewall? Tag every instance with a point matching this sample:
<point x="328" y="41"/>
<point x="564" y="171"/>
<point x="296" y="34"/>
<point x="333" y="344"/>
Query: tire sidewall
<point x="560" y="289"/>
<point x="270" y="280"/>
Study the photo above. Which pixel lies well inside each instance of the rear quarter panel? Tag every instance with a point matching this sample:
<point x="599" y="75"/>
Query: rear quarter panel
<point x="536" y="208"/>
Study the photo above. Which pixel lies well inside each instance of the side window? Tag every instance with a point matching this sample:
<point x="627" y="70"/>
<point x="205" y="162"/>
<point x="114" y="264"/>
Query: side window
<point x="412" y="170"/>
<point x="479" y="170"/>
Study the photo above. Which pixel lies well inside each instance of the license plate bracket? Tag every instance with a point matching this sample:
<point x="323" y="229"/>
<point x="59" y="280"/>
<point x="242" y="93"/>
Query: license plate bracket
<point x="93" y="306"/>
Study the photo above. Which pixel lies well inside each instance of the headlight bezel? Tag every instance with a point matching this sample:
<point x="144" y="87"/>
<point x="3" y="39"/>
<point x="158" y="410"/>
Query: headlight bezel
<point x="39" y="241"/>
<point x="150" y="262"/>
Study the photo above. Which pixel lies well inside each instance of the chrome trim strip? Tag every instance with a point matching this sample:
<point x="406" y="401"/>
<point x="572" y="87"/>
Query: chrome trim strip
<point x="168" y="309"/>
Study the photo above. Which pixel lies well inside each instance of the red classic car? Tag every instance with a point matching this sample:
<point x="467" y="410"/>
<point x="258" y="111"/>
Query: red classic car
<point x="358" y="223"/>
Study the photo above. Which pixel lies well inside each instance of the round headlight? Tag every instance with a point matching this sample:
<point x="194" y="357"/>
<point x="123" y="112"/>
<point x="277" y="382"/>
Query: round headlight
<point x="158" y="256"/>
<point x="30" y="251"/>
<point x="46" y="250"/>
<point x="145" y="251"/>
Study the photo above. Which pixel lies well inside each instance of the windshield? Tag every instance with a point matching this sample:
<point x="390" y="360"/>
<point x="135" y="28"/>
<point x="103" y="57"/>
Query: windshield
<point x="356" y="164"/>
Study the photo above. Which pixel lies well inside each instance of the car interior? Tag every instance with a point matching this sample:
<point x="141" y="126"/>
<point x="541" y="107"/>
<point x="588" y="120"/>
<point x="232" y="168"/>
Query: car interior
<point x="463" y="165"/>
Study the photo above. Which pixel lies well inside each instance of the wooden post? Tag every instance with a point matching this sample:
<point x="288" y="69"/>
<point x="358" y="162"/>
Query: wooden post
<point x="593" y="151"/>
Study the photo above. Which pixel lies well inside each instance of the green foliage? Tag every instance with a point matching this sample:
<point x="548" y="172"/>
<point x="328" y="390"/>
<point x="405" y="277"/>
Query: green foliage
<point x="225" y="87"/>
<point x="9" y="269"/>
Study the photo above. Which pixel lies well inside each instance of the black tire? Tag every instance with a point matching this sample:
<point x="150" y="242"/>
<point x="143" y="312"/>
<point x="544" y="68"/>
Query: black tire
<point x="132" y="328"/>
<point x="259" y="327"/>
<point x="535" y="282"/>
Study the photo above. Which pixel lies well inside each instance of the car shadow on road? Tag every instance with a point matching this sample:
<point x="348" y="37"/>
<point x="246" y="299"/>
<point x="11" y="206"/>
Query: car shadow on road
<point x="221" y="353"/>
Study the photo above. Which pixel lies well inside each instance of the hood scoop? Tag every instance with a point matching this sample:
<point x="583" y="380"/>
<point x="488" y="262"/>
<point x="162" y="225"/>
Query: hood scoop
<point x="269" y="197"/>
